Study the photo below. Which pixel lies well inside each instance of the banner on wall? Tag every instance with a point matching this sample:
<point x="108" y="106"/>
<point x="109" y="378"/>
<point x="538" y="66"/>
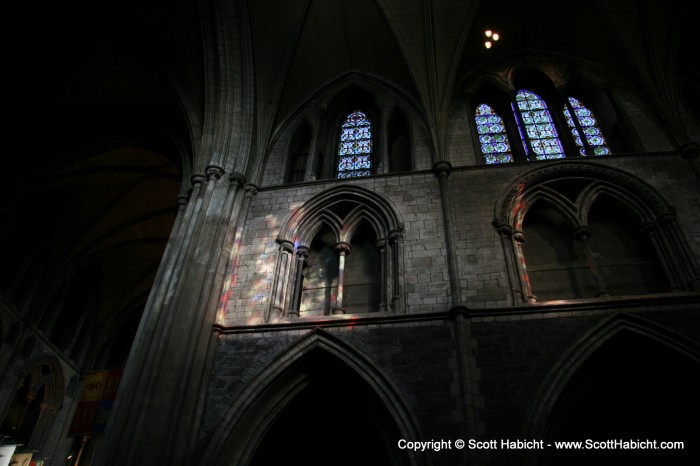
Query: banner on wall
<point x="21" y="459"/>
<point x="6" y="452"/>
<point x="99" y="391"/>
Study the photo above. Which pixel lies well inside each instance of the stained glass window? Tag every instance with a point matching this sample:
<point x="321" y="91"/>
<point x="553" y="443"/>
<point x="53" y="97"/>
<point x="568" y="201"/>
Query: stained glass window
<point x="590" y="128"/>
<point x="536" y="125"/>
<point x="492" y="136"/>
<point x="355" y="146"/>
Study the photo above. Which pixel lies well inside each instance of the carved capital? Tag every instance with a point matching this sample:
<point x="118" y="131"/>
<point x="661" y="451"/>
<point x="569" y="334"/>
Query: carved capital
<point x="197" y="179"/>
<point x="250" y="190"/>
<point x="237" y="178"/>
<point x="303" y="252"/>
<point x="286" y="246"/>
<point x="519" y="236"/>
<point x="395" y="236"/>
<point x="442" y="169"/>
<point x="505" y="229"/>
<point x="214" y="172"/>
<point x="583" y="232"/>
<point x="381" y="243"/>
<point x="343" y="248"/>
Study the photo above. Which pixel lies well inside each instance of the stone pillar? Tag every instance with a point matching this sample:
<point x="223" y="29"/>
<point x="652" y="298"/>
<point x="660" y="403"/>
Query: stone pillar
<point x="518" y="240"/>
<point x="442" y="171"/>
<point x="582" y="234"/>
<point x="302" y="257"/>
<point x="518" y="293"/>
<point x="279" y="285"/>
<point x="395" y="238"/>
<point x="383" y="269"/>
<point x="343" y="249"/>
<point x="165" y="378"/>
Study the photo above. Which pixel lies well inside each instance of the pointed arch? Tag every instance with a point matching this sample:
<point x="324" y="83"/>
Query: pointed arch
<point x="345" y="210"/>
<point x="544" y="414"/>
<point x="261" y="402"/>
<point x="572" y="189"/>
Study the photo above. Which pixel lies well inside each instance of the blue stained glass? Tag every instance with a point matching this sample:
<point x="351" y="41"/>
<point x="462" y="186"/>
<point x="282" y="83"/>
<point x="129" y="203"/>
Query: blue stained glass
<point x="590" y="128"/>
<point x="492" y="136"/>
<point x="538" y="126"/>
<point x="355" y="146"/>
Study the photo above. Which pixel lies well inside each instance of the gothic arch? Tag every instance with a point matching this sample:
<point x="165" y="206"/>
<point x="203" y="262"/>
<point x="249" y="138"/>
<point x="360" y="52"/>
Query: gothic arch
<point x="571" y="188"/>
<point x="254" y="411"/>
<point x="342" y="210"/>
<point x="39" y="393"/>
<point x="549" y="399"/>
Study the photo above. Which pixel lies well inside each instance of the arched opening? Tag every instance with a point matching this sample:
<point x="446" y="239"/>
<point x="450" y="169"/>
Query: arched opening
<point x="556" y="267"/>
<point x="631" y="388"/>
<point x="362" y="274"/>
<point x="626" y="260"/>
<point x="320" y="281"/>
<point x="335" y="419"/>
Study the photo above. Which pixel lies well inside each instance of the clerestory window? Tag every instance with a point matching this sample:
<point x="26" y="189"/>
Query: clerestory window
<point x="355" y="146"/>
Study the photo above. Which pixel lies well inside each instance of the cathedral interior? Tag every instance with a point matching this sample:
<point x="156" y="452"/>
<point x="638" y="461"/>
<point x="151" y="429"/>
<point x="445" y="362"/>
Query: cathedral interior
<point x="351" y="232"/>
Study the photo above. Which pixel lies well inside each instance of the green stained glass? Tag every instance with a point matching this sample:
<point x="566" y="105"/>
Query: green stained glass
<point x="589" y="125"/>
<point x="492" y="136"/>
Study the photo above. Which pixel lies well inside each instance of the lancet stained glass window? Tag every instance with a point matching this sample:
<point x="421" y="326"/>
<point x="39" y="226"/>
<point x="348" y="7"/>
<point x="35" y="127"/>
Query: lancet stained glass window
<point x="492" y="136"/>
<point x="537" y="126"/>
<point x="589" y="126"/>
<point x="355" y="146"/>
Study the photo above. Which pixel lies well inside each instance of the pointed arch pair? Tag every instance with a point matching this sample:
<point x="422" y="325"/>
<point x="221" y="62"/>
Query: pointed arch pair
<point x="563" y="195"/>
<point x="260" y="404"/>
<point x="337" y="221"/>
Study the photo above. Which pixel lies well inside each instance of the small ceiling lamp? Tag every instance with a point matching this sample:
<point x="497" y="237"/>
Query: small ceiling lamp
<point x="490" y="36"/>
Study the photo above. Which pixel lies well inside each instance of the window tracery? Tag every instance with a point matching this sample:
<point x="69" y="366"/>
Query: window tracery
<point x="492" y="136"/>
<point x="355" y="146"/>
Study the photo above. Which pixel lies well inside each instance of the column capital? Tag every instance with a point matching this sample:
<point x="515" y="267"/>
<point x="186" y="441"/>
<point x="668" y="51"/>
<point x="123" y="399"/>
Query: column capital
<point x="236" y="178"/>
<point x="213" y="171"/>
<point x="287" y="246"/>
<point x="303" y="252"/>
<point x="197" y="179"/>
<point x="343" y="247"/>
<point x="442" y="169"/>
<point x="582" y="232"/>
<point x="251" y="190"/>
<point x="519" y="236"/>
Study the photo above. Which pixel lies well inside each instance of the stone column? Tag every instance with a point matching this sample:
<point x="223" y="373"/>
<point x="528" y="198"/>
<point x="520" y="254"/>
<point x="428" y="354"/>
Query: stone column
<point x="518" y="293"/>
<point x="165" y="377"/>
<point x="442" y="171"/>
<point x="279" y="285"/>
<point x="383" y="268"/>
<point x="302" y="257"/>
<point x="395" y="238"/>
<point x="582" y="234"/>
<point x="343" y="249"/>
<point x="518" y="240"/>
